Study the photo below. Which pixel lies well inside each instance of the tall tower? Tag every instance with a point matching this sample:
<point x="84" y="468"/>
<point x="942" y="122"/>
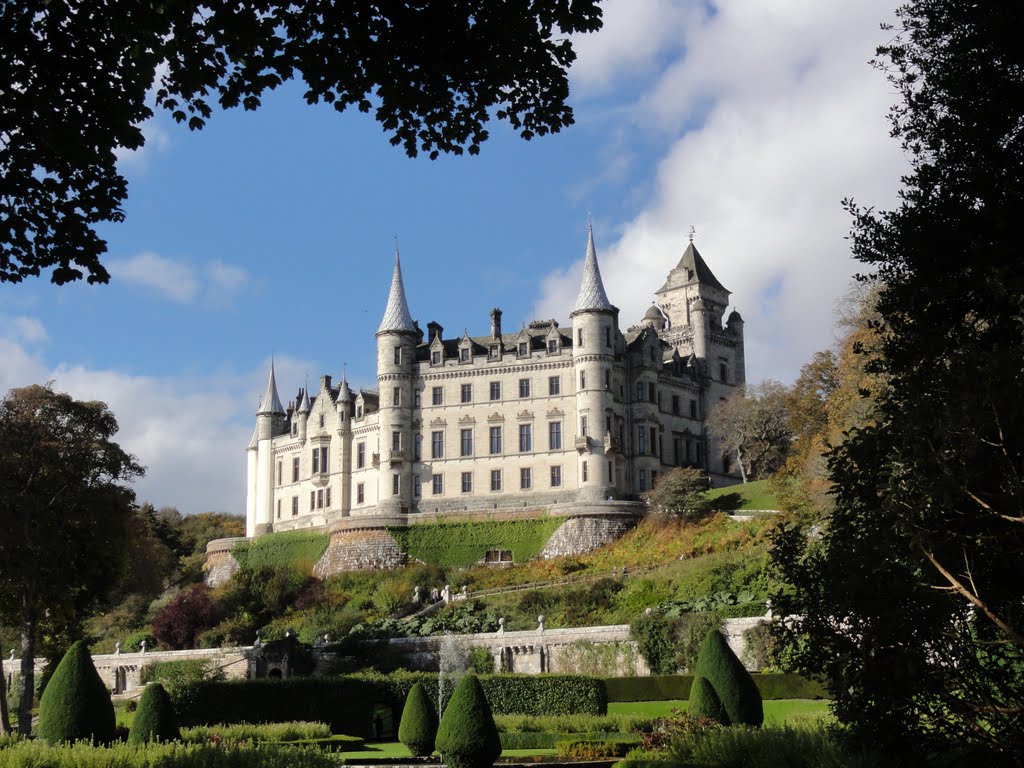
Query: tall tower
<point x="396" y="360"/>
<point x="269" y="422"/>
<point x="594" y="321"/>
<point x="344" y="406"/>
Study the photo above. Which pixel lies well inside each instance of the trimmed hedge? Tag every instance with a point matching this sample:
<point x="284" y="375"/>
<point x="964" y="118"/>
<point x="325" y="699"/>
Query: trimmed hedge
<point x="464" y="544"/>
<point x="730" y="680"/>
<point x="704" y="702"/>
<point x="288" y="549"/>
<point x="348" y="701"/>
<point x="172" y="755"/>
<point x="544" y="740"/>
<point x="672" y="687"/>
<point x="155" y="719"/>
<point x="467" y="736"/>
<point x="594" y="750"/>
<point x="266" y="732"/>
<point x="76" y="704"/>
<point x="418" y="727"/>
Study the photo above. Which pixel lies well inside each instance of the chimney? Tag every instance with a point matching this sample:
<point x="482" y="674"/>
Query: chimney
<point x="495" y="323"/>
<point x="325" y="383"/>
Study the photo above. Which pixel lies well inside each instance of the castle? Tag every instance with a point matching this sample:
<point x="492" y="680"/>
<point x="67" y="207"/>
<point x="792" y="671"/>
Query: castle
<point x="541" y="416"/>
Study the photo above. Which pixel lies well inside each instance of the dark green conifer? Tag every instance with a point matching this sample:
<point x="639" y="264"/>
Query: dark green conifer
<point x="733" y="684"/>
<point x="155" y="719"/>
<point x="418" y="728"/>
<point x="76" y="704"/>
<point x="704" y="702"/>
<point x="467" y="736"/>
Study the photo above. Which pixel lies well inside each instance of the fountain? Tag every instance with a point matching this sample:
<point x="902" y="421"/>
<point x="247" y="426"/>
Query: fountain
<point x="452" y="664"/>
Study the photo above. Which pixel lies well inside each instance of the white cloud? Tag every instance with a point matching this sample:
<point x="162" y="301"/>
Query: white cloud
<point x="791" y="119"/>
<point x="23" y="328"/>
<point x="226" y="278"/>
<point x="179" y="281"/>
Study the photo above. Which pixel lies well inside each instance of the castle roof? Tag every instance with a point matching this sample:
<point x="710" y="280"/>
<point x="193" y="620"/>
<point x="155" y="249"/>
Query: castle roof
<point x="344" y="393"/>
<point x="691" y="268"/>
<point x="304" y="406"/>
<point x="397" y="317"/>
<point x="271" y="402"/>
<point x="653" y="313"/>
<point x="592" y="295"/>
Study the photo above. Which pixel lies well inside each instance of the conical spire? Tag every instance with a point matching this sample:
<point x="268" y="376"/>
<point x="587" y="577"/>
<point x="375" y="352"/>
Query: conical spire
<point x="344" y="393"/>
<point x="396" y="314"/>
<point x="304" y="406"/>
<point x="271" y="403"/>
<point x="592" y="295"/>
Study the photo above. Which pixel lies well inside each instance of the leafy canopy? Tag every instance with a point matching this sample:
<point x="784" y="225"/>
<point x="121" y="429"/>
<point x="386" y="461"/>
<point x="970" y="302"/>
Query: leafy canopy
<point x="76" y="79"/>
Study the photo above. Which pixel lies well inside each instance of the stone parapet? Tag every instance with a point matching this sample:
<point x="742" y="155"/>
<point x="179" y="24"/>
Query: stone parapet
<point x="359" y="549"/>
<point x="220" y="563"/>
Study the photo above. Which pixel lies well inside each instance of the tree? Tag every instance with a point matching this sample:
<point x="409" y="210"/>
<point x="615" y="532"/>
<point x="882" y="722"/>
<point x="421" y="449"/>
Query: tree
<point x="76" y="704"/>
<point x="680" y="492"/>
<point x="155" y="719"/>
<point x="76" y="79"/>
<point x="730" y="680"/>
<point x="179" y="623"/>
<point x="753" y="424"/>
<point x="912" y="597"/>
<point x="418" y="728"/>
<point x="64" y="507"/>
<point x="467" y="736"/>
<point x="704" y="702"/>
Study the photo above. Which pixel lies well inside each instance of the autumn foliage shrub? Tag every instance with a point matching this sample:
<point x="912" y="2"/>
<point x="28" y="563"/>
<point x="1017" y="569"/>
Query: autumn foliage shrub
<point x="179" y="623"/>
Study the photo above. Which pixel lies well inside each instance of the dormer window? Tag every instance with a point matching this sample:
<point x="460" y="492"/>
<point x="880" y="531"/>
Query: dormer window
<point x="552" y="346"/>
<point x="435" y="357"/>
<point x="524" y="349"/>
<point x="464" y="355"/>
<point x="492" y="352"/>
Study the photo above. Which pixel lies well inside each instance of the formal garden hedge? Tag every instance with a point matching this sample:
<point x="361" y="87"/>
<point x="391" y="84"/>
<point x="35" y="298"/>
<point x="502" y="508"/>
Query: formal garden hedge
<point x="672" y="687"/>
<point x="173" y="755"/>
<point x="295" y="549"/>
<point x="464" y="544"/>
<point x="544" y="740"/>
<point x="348" y="702"/>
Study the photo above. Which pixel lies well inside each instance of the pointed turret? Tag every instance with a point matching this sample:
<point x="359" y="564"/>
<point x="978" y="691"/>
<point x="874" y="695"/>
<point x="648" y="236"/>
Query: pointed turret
<point x="692" y="268"/>
<point x="396" y="315"/>
<point x="271" y="402"/>
<point x="344" y="393"/>
<point x="592" y="295"/>
<point x="304" y="405"/>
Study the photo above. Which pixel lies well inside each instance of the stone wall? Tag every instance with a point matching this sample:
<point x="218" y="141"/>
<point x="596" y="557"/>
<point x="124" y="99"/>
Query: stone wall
<point x="220" y="563"/>
<point x="356" y="548"/>
<point x="586" y="532"/>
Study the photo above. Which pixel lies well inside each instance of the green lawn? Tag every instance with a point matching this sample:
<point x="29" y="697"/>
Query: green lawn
<point x="775" y="712"/>
<point x="755" y="495"/>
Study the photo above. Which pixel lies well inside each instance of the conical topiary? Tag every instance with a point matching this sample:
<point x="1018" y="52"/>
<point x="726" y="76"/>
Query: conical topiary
<point x="418" y="728"/>
<point x="155" y="719"/>
<point x="76" y="704"/>
<point x="730" y="679"/>
<point x="704" y="702"/>
<point x="467" y="736"/>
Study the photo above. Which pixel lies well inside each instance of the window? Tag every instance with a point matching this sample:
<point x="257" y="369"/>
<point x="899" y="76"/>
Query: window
<point x="583" y="426"/>
<point x="610" y="473"/>
<point x="492" y="352"/>
<point x="654" y="441"/>
<point x="416" y="398"/>
<point x="639" y="391"/>
<point x="495" y="390"/>
<point x="555" y="435"/>
<point x="327" y="497"/>
<point x="723" y="372"/>
<point x="321" y="421"/>
<point x="278" y="509"/>
<point x="607" y="336"/>
<point x="417" y="447"/>
<point x="320" y="499"/>
<point x="524" y="348"/>
<point x="585" y="473"/>
<point x="435" y="357"/>
<point x="524" y="388"/>
<point x="316" y="461"/>
<point x="525" y="479"/>
<point x="295" y="469"/>
<point x="556" y="477"/>
<point x="396" y="396"/>
<point x="396" y="484"/>
<point x="312" y="500"/>
<point x="641" y="441"/>
<point x="320" y="460"/>
<point x="643" y="479"/>
<point x="495" y="479"/>
<point x="554" y="385"/>
<point x="295" y="506"/>
<point x="466" y="393"/>
<point x="360" y="493"/>
<point x="398" y="355"/>
<point x="552" y="346"/>
<point x="607" y="378"/>
<point x="437" y="395"/>
<point x="651" y="392"/>
<point x="465" y="442"/>
<point x="467" y="482"/>
<point x="464" y="355"/>
<point x="279" y="473"/>
<point x="437" y="484"/>
<point x="675" y="405"/>
<point x="525" y="438"/>
<point x="579" y="338"/>
<point x="359" y="411"/>
<point x="583" y="379"/>
<point x="295" y="429"/>
<point x="360" y="455"/>
<point x="693" y="409"/>
<point x="437" y="445"/>
<point x="396" y="441"/>
<point x="495" y="446"/>
<point x="417" y="486"/>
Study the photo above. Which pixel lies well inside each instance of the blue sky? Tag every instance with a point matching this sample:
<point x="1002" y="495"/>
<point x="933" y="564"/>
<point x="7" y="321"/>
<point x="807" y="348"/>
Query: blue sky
<point x="272" y="232"/>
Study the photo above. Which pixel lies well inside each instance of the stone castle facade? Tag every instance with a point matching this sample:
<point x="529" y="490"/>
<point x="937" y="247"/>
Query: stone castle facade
<point x="504" y="423"/>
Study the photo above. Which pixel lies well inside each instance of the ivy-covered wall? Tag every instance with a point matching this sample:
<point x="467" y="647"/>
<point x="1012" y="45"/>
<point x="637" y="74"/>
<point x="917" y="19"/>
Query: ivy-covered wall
<point x="300" y="549"/>
<point x="465" y="543"/>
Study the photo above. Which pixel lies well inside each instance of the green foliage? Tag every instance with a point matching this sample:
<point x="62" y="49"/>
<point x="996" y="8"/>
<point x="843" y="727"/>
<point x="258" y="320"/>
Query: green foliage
<point x="794" y="747"/>
<point x="76" y="704"/>
<point x="656" y="639"/>
<point x="593" y="749"/>
<point x="179" y="677"/>
<point x="288" y="549"/>
<point x="466" y="735"/>
<point x="680" y="492"/>
<point x="588" y="725"/>
<point x="673" y="687"/>
<point x="704" y="702"/>
<point x="418" y="727"/>
<point x="733" y="684"/>
<point x="481" y="661"/>
<point x="265" y="732"/>
<point x="550" y="739"/>
<point x="599" y="659"/>
<point x="179" y="623"/>
<point x="28" y="754"/>
<point x="736" y="498"/>
<point x="155" y="719"/>
<point x="464" y="544"/>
